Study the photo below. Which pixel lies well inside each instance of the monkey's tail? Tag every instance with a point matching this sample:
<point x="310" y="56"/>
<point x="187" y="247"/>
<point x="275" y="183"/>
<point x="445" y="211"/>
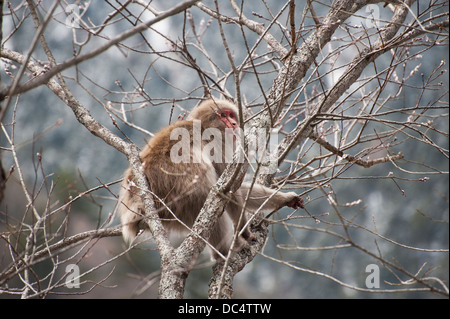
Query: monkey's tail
<point x="129" y="211"/>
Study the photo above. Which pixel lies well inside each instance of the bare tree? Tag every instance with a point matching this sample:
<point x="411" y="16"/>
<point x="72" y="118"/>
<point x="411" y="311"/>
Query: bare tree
<point x="354" y="92"/>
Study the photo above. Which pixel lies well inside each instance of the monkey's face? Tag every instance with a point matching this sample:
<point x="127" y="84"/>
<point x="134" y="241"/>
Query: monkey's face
<point x="229" y="118"/>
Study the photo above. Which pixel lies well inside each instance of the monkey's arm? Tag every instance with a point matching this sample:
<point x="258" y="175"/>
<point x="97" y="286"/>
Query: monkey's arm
<point x="271" y="198"/>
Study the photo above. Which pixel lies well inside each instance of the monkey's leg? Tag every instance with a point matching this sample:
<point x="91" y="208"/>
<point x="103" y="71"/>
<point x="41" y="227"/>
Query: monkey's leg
<point x="235" y="211"/>
<point x="221" y="237"/>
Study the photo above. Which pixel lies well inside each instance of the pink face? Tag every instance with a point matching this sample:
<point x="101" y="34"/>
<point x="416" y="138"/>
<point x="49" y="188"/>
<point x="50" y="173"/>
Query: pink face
<point x="229" y="118"/>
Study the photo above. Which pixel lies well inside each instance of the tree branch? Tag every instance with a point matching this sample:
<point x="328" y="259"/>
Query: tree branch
<point x="352" y="159"/>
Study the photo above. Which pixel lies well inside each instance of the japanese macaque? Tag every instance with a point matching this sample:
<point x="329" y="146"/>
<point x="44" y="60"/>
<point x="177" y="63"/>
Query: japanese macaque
<point x="181" y="171"/>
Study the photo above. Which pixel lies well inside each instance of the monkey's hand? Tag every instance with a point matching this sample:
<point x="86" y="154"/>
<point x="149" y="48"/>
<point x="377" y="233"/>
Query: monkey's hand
<point x="296" y="202"/>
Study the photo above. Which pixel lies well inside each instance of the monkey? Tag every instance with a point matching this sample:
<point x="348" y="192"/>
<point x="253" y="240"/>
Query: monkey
<point x="180" y="176"/>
